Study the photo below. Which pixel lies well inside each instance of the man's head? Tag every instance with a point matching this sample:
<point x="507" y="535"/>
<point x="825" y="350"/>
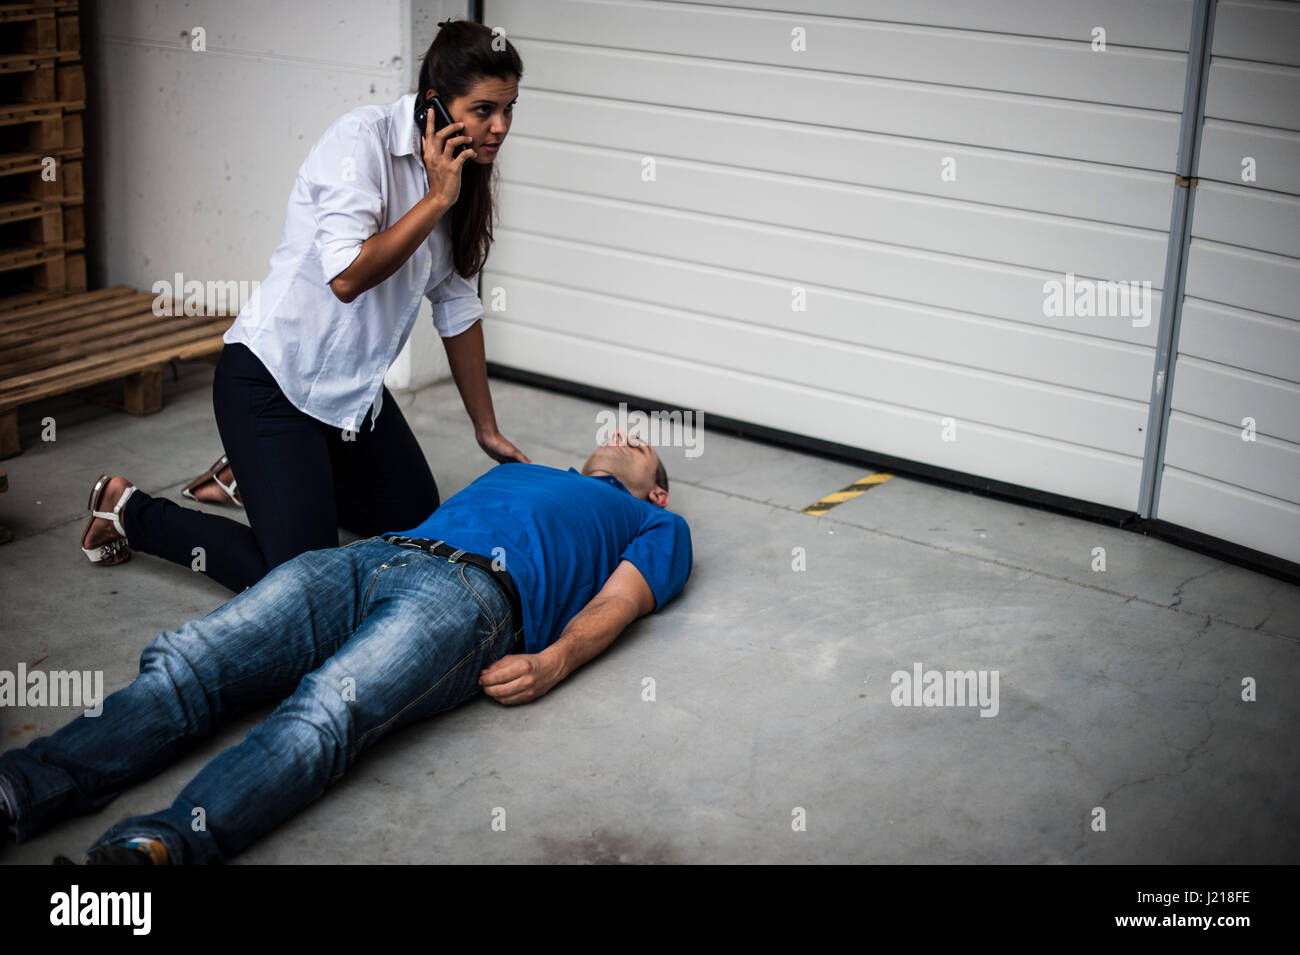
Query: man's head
<point x="635" y="463"/>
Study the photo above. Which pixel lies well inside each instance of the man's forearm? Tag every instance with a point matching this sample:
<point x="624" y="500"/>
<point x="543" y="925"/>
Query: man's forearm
<point x="384" y="252"/>
<point x="519" y="678"/>
<point x="590" y="632"/>
<point x="468" y="360"/>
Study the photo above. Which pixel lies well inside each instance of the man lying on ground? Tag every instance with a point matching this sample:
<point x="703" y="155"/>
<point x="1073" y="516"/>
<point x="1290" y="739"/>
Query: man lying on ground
<point x="508" y="587"/>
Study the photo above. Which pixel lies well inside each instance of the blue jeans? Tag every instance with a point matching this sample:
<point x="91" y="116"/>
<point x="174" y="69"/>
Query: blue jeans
<point x="356" y="641"/>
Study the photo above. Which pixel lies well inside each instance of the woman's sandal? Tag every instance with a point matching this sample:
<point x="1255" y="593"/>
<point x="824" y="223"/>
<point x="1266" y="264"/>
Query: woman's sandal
<point x="117" y="550"/>
<point x="231" y="490"/>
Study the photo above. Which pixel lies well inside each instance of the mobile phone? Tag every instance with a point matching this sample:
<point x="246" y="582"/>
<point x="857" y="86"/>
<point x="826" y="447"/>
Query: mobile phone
<point x="441" y="117"/>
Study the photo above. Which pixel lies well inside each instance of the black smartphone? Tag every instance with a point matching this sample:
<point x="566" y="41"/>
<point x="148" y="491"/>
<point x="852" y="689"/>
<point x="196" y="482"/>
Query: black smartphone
<point x="441" y="117"/>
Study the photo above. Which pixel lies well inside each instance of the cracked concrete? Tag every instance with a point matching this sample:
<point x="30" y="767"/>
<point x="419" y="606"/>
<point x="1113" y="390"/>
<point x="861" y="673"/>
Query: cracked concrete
<point x="1119" y="689"/>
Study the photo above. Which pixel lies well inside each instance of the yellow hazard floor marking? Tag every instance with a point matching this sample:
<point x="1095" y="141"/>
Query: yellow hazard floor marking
<point x="860" y="486"/>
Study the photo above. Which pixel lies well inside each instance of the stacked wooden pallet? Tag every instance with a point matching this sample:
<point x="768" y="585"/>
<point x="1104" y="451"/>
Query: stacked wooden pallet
<point x="55" y="336"/>
<point x="42" y="99"/>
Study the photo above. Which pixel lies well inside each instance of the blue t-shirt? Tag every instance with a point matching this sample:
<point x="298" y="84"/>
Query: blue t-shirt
<point x="560" y="534"/>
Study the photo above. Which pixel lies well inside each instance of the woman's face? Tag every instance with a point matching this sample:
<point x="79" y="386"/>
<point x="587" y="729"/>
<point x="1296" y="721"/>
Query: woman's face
<point x="486" y="110"/>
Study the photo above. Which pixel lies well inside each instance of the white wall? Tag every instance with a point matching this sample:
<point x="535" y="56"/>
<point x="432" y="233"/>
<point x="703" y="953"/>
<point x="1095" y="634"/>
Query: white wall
<point x="199" y="150"/>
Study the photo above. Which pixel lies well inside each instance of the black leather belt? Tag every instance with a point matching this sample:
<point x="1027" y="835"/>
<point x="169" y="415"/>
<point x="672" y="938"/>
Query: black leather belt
<point x="454" y="554"/>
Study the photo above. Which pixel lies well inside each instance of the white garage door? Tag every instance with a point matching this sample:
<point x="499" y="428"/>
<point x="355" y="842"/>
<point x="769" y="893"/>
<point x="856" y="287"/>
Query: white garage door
<point x="877" y="223"/>
<point x="1232" y="459"/>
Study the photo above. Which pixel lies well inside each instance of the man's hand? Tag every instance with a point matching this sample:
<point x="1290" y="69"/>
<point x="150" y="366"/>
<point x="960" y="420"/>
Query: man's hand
<point x="496" y="446"/>
<point x="520" y="677"/>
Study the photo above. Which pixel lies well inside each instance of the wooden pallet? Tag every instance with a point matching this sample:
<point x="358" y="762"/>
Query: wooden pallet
<point x="42" y="101"/>
<point x="28" y="29"/>
<point x="56" y="344"/>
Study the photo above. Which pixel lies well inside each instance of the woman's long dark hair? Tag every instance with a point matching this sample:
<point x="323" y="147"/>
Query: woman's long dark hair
<point x="462" y="53"/>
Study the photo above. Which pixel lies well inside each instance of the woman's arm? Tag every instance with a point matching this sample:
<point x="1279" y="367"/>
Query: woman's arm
<point x="468" y="360"/>
<point x="384" y="252"/>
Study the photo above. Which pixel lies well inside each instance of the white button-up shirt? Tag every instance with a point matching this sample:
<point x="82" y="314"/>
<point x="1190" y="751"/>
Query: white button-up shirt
<point x="329" y="358"/>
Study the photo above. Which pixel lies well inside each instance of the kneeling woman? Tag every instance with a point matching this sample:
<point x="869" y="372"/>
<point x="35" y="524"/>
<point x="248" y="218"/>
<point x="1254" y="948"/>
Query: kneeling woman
<point x="382" y="213"/>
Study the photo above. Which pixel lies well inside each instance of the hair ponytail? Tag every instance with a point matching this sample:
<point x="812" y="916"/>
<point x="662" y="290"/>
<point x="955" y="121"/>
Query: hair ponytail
<point x="461" y="53"/>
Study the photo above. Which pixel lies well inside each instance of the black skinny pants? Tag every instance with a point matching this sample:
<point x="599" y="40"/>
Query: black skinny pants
<point x="299" y="478"/>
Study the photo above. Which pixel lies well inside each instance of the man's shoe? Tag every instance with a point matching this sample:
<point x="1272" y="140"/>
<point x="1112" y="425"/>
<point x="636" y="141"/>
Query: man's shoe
<point x="118" y="854"/>
<point x="6" y="821"/>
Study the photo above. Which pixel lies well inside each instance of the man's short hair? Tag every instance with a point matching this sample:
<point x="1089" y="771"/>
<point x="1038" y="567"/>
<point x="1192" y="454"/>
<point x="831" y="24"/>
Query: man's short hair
<point x="661" y="475"/>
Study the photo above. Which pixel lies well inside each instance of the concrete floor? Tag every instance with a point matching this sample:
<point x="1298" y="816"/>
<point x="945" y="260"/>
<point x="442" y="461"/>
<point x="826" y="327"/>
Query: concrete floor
<point x="1119" y="690"/>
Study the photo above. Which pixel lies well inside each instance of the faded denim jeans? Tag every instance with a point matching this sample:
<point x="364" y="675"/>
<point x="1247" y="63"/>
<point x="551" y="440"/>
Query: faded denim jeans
<point x="356" y="642"/>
